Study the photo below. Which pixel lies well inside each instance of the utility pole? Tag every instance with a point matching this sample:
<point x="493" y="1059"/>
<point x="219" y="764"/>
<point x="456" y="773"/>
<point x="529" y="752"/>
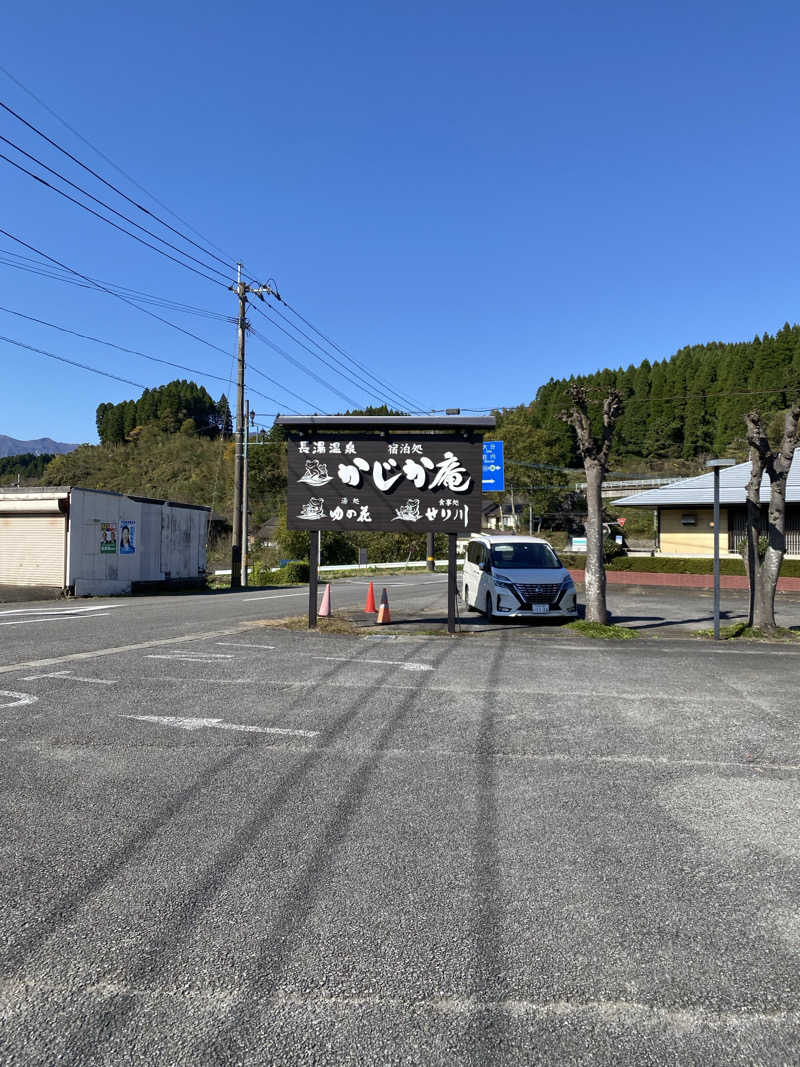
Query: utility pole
<point x="245" y="490"/>
<point x="241" y="289"/>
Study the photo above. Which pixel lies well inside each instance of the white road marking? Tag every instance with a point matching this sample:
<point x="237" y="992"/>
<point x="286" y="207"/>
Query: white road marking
<point x="276" y="596"/>
<point x="18" y="700"/>
<point x="184" y="723"/>
<point x="404" y="665"/>
<point x="118" y="649"/>
<point x="72" y="677"/>
<point x="63" y="617"/>
<point x="640" y="646"/>
<point x="242" y="644"/>
<point x="313" y="683"/>
<point x="190" y="657"/>
<point x="59" y="611"/>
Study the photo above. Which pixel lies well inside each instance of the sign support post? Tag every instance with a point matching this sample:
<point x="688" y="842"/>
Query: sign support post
<point x="717" y="464"/>
<point x="451" y="583"/>
<point x="313" y="561"/>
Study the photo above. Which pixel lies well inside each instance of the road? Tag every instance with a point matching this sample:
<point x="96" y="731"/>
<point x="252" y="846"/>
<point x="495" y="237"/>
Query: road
<point x="224" y="843"/>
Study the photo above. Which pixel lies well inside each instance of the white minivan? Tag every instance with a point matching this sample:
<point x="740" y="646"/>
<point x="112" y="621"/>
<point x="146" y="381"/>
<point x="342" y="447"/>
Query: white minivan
<point x="511" y="576"/>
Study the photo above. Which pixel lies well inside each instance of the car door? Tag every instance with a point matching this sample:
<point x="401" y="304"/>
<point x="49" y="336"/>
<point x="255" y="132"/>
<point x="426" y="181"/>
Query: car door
<point x="484" y="585"/>
<point x="471" y="574"/>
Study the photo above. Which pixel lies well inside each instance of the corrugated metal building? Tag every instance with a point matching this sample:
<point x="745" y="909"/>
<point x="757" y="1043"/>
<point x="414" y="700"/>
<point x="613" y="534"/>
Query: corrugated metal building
<point x="685" y="516"/>
<point x="93" y="542"/>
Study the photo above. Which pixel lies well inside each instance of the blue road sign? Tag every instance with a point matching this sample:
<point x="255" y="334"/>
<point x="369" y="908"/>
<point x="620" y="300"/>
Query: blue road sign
<point x="494" y="471"/>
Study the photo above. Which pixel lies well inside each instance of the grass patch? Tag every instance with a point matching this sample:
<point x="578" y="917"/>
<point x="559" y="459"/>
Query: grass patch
<point x="741" y="631"/>
<point x="606" y="631"/>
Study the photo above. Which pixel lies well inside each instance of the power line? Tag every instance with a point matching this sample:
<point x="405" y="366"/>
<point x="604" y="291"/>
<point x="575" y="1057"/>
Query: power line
<point x="111" y="344"/>
<point x="109" y="222"/>
<point x="108" y="207"/>
<point x="72" y="362"/>
<point x="41" y="269"/>
<point x="301" y="366"/>
<point x="357" y="379"/>
<point x="109" y="184"/>
<point x="131" y="303"/>
<point x="677" y="398"/>
<point x="387" y="389"/>
<point x="226" y="262"/>
<point x="414" y="405"/>
<point x="285" y="388"/>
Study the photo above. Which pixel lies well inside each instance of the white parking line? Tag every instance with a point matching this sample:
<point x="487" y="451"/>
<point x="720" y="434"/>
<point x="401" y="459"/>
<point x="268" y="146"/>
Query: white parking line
<point x="118" y="649"/>
<point x="185" y="723"/>
<point x="18" y="700"/>
<point x="191" y="657"/>
<point x="63" y="616"/>
<point x="405" y="665"/>
<point x="72" y="677"/>
<point x="59" y="611"/>
<point x="242" y="644"/>
<point x="276" y="596"/>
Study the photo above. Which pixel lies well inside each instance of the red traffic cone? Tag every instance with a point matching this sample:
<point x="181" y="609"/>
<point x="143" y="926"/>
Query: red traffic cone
<point x="325" y="606"/>
<point x="369" y="607"/>
<point x="383" y="612"/>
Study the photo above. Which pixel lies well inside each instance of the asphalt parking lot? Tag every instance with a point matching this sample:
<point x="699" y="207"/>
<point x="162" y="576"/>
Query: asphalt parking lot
<point x="225" y="842"/>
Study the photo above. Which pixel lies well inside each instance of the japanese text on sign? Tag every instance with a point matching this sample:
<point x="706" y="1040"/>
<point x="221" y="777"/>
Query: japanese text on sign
<point x="431" y="483"/>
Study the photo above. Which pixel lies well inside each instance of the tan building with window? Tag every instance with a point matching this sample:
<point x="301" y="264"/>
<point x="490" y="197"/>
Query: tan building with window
<point x="684" y="512"/>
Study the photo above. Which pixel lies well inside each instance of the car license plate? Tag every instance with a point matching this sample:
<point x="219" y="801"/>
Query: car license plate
<point x="540" y="609"/>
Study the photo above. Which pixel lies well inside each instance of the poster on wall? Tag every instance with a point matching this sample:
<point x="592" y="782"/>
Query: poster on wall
<point x="127" y="537"/>
<point x="108" y="537"/>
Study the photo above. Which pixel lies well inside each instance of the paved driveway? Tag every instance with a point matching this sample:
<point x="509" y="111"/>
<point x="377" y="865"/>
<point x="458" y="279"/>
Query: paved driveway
<point x="224" y="843"/>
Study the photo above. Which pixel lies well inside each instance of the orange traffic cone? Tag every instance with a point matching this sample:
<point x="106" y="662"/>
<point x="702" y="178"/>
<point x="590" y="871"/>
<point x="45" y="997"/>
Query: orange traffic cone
<point x="325" y="606"/>
<point x="383" y="611"/>
<point x="369" y="607"/>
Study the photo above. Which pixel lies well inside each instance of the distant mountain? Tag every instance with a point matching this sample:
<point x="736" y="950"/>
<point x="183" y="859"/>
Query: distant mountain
<point x="10" y="446"/>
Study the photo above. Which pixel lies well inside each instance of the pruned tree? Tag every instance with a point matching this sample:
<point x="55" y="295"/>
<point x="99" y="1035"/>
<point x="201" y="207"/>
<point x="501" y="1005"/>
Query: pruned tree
<point x="764" y="563"/>
<point x="594" y="452"/>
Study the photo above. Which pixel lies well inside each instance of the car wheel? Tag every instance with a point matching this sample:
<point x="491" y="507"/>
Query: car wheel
<point x="489" y="613"/>
<point x="470" y="607"/>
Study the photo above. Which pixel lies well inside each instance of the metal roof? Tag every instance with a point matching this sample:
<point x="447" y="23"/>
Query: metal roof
<point x="387" y="422"/>
<point x="699" y="491"/>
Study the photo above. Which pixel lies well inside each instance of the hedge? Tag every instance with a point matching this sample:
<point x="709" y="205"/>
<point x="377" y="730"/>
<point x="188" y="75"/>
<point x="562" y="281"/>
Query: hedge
<point x="673" y="565"/>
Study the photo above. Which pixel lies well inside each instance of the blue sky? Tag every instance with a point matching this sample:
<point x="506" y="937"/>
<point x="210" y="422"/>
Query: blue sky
<point x="468" y="199"/>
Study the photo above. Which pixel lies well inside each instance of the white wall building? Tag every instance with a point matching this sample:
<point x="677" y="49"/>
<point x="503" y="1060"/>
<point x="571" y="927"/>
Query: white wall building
<point x="92" y="542"/>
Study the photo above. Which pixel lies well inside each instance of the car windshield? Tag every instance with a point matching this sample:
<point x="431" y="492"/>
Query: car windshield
<point x="524" y="556"/>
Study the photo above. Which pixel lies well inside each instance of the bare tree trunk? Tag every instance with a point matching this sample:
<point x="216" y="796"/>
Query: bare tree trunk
<point x="753" y="560"/>
<point x="594" y="454"/>
<point x="596" y="610"/>
<point x="763" y="573"/>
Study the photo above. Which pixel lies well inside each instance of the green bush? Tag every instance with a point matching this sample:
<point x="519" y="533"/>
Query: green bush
<point x="261" y="574"/>
<point x="611" y="549"/>
<point x="673" y="565"/>
<point x="295" y="572"/>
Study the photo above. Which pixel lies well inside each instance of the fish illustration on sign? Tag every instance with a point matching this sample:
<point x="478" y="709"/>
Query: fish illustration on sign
<point x="408" y="511"/>
<point x="314" y="509"/>
<point x="316" y="474"/>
